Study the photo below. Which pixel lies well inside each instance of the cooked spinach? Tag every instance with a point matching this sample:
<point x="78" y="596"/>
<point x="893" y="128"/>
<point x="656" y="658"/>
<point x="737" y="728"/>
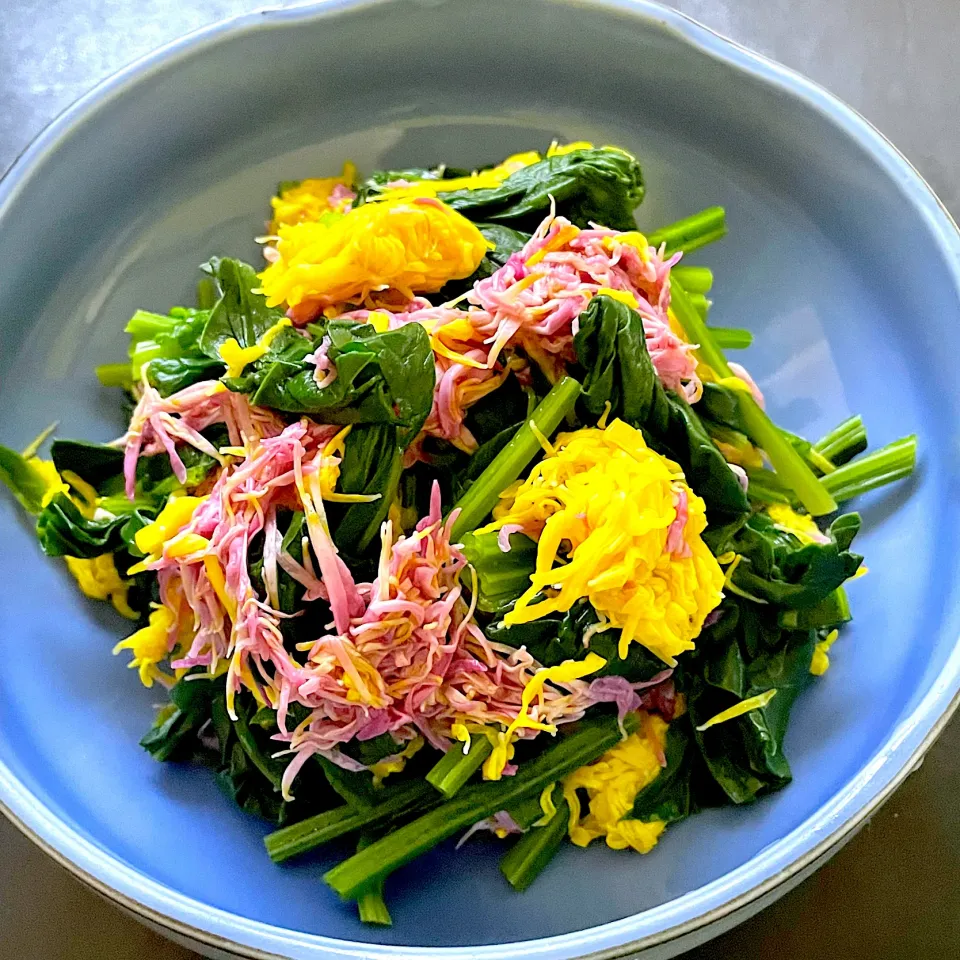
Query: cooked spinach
<point x="63" y="531"/>
<point x="239" y="312"/>
<point x="744" y="654"/>
<point x="591" y="184"/>
<point x="384" y="378"/>
<point x="506" y="241"/>
<point x="777" y="568"/>
<point x="98" y="464"/>
<point x="672" y="795"/>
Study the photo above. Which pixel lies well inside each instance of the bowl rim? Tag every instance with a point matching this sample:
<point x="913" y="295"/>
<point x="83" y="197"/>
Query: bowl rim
<point x="773" y="867"/>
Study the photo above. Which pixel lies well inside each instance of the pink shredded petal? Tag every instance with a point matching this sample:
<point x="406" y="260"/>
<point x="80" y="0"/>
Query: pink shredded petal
<point x="501" y="820"/>
<point x="676" y="543"/>
<point x="741" y="372"/>
<point x="506" y="531"/>
<point x="741" y="476"/>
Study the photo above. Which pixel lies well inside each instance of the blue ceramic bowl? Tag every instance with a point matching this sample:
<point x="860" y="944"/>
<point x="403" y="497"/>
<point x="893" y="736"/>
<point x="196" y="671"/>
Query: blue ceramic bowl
<point x="839" y="258"/>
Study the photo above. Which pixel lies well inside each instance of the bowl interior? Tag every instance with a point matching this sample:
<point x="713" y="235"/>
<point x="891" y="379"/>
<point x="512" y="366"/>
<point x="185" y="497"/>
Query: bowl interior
<point x="839" y="277"/>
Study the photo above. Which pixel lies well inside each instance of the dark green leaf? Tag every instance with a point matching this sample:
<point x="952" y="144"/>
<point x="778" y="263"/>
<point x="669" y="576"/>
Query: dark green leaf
<point x="381" y="377"/>
<point x="175" y="736"/>
<point x="155" y="480"/>
<point x="239" y="312"/>
<point x="501" y="577"/>
<point x="604" y="185"/>
<point x="63" y="531"/>
<point x="556" y="637"/>
<point x="371" y="465"/>
<point x="670" y="797"/>
<point x="506" y="241"/>
<point x="778" y="568"/>
<point x="96" y="463"/>
<point x="169" y="376"/>
<point x="746" y="653"/>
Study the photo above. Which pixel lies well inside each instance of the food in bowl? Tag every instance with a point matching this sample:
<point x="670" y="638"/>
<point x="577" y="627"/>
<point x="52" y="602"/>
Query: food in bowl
<point x="455" y="516"/>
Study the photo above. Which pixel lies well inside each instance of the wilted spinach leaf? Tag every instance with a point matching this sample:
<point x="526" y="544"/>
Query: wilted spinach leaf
<point x="671" y="797"/>
<point x="592" y="184"/>
<point x="239" y="312"/>
<point x="63" y="531"/>
<point x="506" y="241"/>
<point x="556" y="637"/>
<point x="383" y="378"/>
<point x="96" y="463"/>
<point x="371" y="465"/>
<point x="778" y="568"/>
<point x="744" y="654"/>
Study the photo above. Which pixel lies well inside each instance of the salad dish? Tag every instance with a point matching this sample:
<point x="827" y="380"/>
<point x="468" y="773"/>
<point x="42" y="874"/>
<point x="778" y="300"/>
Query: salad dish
<point x="454" y="516"/>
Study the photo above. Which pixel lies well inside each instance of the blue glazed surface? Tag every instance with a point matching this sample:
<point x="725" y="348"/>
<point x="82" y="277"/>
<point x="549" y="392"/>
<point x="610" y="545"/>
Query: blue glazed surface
<point x="839" y="259"/>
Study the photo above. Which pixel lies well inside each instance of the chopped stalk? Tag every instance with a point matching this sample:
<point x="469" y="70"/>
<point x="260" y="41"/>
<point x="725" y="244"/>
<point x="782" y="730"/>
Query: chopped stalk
<point x="526" y="812"/>
<point x="510" y="462"/>
<point x="371" y="905"/>
<point x="455" y="767"/>
<point x="114" y="374"/>
<point x="692" y="232"/>
<point x="528" y="857"/>
<point x="893" y="462"/>
<point x="144" y="325"/>
<point x="762" y="431"/>
<point x="844" y="441"/>
<point x="303" y="836"/>
<point x="472" y="804"/>
<point x="731" y="338"/>
<point x="701" y="303"/>
<point x="693" y="279"/>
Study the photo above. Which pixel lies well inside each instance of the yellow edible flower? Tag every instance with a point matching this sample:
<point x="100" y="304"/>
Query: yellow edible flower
<point x="820" y="663"/>
<point x="310" y="199"/>
<point x="803" y="527"/>
<point x="150" y="646"/>
<point x="98" y="579"/>
<point x="395" y="764"/>
<point x="739" y="709"/>
<point x="237" y="357"/>
<point x="601" y="505"/>
<point x="49" y="475"/>
<point x="612" y="784"/>
<point x="170" y="521"/>
<point x="412" y="246"/>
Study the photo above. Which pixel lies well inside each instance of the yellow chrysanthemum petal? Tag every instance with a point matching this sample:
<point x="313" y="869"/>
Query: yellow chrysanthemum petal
<point x="601" y="505"/>
<point x="411" y="246"/>
<point x="612" y="784"/>
<point x="311" y="199"/>
<point x="150" y="646"/>
<point x="739" y="709"/>
<point x="98" y="579"/>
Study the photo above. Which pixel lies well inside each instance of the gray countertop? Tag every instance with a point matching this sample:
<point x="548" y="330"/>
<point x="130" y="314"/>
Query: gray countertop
<point x="894" y="891"/>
